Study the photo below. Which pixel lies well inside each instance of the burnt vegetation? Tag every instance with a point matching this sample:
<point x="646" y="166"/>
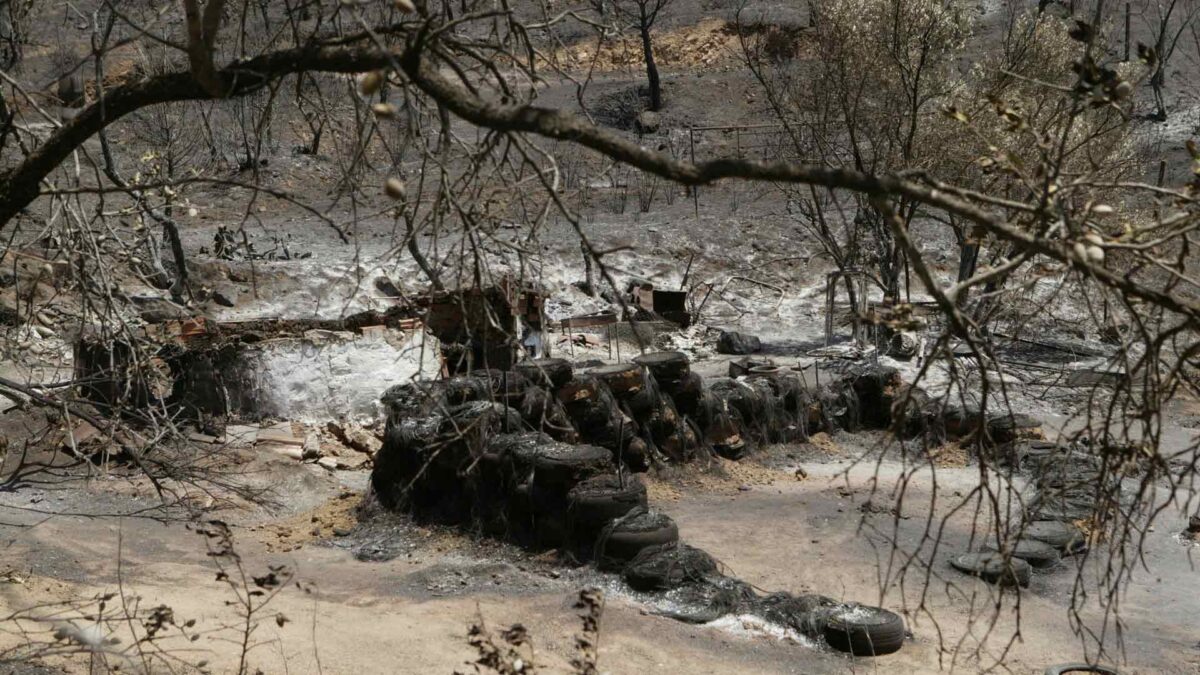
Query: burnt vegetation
<point x="516" y="270"/>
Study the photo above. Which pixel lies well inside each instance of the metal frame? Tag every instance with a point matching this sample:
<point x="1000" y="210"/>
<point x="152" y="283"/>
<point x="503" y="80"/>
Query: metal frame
<point x="831" y="284"/>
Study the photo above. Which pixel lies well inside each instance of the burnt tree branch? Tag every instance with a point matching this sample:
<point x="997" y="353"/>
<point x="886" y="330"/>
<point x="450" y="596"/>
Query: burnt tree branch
<point x="21" y="186"/>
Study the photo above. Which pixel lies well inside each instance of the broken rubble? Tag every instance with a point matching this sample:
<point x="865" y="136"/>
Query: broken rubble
<point x="353" y="437"/>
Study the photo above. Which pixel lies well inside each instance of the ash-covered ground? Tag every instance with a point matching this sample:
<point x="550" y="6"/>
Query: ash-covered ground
<point x="377" y="592"/>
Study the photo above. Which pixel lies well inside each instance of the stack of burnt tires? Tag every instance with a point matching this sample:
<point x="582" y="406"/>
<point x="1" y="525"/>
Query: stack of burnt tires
<point x="465" y="469"/>
<point x="776" y="405"/>
<point x="995" y="430"/>
<point x="663" y="405"/>
<point x="655" y="409"/>
<point x="499" y="452"/>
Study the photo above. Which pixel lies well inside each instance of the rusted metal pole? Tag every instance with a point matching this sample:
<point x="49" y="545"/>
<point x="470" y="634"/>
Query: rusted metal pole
<point x="621" y="452"/>
<point x="830" y="291"/>
<point x="695" y="188"/>
<point x="687" y="272"/>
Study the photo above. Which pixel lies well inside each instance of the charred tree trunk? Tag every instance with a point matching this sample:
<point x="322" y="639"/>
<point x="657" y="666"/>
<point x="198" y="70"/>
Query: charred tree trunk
<point x="6" y="121"/>
<point x="171" y="234"/>
<point x="414" y="249"/>
<point x="651" y="67"/>
<point x="588" y="272"/>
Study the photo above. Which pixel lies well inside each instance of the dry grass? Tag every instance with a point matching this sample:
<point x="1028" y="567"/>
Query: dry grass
<point x="327" y="520"/>
<point x="713" y="42"/>
<point x="949" y="455"/>
<point x="723" y="477"/>
<point x="825" y="443"/>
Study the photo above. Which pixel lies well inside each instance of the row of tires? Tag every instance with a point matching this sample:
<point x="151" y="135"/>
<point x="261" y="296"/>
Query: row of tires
<point x="544" y="493"/>
<point x="694" y="587"/>
<point x="657" y="410"/>
<point x="502" y="453"/>
<point x="1069" y="486"/>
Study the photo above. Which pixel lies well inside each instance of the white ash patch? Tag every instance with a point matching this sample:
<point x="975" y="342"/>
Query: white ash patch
<point x="697" y="341"/>
<point x="329" y="375"/>
<point x="750" y="626"/>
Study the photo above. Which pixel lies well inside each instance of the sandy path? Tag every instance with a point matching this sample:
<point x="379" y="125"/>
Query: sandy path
<point x="410" y="614"/>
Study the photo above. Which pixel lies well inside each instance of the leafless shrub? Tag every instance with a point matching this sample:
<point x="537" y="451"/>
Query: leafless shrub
<point x="252" y="594"/>
<point x="587" y="643"/>
<point x="511" y="655"/>
<point x="1028" y="157"/>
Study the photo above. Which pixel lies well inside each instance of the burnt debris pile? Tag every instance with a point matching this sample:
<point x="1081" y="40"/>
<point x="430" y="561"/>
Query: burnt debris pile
<point x="548" y="458"/>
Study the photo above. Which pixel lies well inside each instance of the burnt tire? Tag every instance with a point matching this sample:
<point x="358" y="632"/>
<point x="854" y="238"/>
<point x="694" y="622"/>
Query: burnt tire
<point x="559" y="467"/>
<point x="733" y="453"/>
<point x="622" y="539"/>
<point x="687" y="394"/>
<point x="407" y="446"/>
<point x="864" y="631"/>
<point x="580" y="391"/>
<point x="594" y="502"/>
<point x="1065" y="537"/>
<point x="465" y="433"/>
<point x="874" y="386"/>
<point x="624" y="380"/>
<point x="664" y="568"/>
<point x="805" y="613"/>
<point x="1050" y="506"/>
<point x="666" y="367"/>
<point x="1064" y="668"/>
<point x="715" y="597"/>
<point x="1033" y="455"/>
<point x="663" y="423"/>
<point x="589" y="405"/>
<point x="741" y="398"/>
<point x="961" y="421"/>
<point x="1008" y="428"/>
<point x="636" y="456"/>
<point x="994" y="568"/>
<point x="412" y="399"/>
<point x="463" y="389"/>
<point x="541" y="410"/>
<point x="549" y="373"/>
<point x="1036" y="553"/>
<point x="643" y="403"/>
<point x="681" y="445"/>
<point x="511" y="456"/>
<point x="504" y="386"/>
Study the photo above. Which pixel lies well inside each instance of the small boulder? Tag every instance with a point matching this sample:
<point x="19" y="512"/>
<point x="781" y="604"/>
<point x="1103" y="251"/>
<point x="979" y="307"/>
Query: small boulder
<point x="312" y="447"/>
<point x="732" y="342"/>
<point x="223" y="298"/>
<point x="648" y="121"/>
<point x="388" y="287"/>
